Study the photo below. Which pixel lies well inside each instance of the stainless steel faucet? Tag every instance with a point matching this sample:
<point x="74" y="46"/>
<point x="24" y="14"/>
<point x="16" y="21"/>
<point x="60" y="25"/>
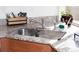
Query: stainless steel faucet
<point x="42" y="23"/>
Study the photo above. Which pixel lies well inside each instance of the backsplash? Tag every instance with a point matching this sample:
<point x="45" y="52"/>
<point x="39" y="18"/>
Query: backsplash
<point x="2" y="22"/>
<point x="48" y="20"/>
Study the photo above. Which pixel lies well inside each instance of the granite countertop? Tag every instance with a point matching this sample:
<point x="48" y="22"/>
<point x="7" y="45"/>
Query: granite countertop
<point x="65" y="45"/>
<point x="33" y="39"/>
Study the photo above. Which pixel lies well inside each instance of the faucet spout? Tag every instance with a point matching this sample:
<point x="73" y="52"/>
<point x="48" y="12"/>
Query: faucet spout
<point x="42" y="23"/>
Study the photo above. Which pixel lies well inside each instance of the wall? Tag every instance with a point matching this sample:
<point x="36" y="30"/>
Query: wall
<point x="2" y="12"/>
<point x="75" y="12"/>
<point x="32" y="11"/>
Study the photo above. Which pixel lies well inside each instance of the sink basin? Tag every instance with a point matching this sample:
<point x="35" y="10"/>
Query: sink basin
<point x="51" y="34"/>
<point x="26" y="31"/>
<point x="38" y="32"/>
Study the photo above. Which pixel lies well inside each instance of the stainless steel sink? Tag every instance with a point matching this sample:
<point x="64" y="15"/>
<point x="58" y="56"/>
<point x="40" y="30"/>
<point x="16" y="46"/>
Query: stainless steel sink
<point x="38" y="32"/>
<point x="29" y="32"/>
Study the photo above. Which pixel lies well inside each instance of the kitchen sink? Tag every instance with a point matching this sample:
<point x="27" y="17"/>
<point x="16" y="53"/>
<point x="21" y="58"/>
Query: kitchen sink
<point x="39" y="32"/>
<point x="29" y="32"/>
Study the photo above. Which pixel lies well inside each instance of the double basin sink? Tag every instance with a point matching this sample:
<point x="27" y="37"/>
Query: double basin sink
<point x="38" y="32"/>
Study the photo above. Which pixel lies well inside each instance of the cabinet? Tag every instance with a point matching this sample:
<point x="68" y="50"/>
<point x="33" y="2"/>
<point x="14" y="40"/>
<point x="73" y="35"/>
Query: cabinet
<point x="13" y="45"/>
<point x="0" y="44"/>
<point x="4" y="44"/>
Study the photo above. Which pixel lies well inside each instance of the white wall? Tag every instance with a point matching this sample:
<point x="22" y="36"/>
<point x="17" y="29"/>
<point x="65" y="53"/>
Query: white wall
<point x="75" y="12"/>
<point x="2" y="12"/>
<point x="32" y="11"/>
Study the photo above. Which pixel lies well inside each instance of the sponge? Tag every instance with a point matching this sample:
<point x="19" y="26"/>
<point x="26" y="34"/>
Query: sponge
<point x="61" y="26"/>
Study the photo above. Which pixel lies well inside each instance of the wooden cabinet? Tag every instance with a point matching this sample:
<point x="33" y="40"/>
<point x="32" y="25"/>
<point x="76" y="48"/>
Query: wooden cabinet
<point x="4" y="44"/>
<point x="13" y="45"/>
<point x="0" y="44"/>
